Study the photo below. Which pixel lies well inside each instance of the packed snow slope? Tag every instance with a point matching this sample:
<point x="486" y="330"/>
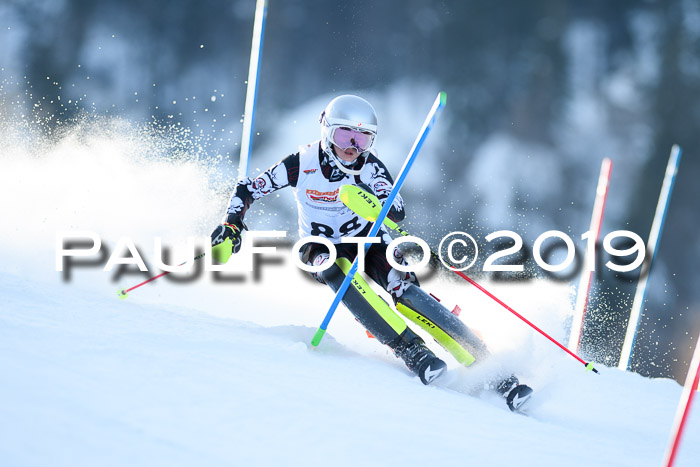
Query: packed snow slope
<point x="211" y="372"/>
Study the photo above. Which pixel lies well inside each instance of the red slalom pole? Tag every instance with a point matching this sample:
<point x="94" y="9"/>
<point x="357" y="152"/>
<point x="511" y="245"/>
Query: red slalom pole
<point x="689" y="390"/>
<point x="589" y="366"/>
<point x="584" y="285"/>
<point x="123" y="293"/>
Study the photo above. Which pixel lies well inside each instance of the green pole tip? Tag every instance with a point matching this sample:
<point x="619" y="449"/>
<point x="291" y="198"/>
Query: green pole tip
<point x="443" y="97"/>
<point x="317" y="337"/>
<point x="589" y="367"/>
<point x="122" y="294"/>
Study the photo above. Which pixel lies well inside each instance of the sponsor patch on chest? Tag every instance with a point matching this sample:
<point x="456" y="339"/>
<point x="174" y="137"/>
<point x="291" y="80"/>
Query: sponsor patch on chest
<point x="322" y="196"/>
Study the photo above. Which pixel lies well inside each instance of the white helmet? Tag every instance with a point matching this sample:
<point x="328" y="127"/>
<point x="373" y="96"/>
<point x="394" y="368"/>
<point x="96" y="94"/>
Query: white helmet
<point x="348" y="121"/>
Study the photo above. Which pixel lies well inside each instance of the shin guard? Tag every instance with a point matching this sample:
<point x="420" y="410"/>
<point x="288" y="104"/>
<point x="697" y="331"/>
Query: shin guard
<point x="446" y="328"/>
<point x="368" y="307"/>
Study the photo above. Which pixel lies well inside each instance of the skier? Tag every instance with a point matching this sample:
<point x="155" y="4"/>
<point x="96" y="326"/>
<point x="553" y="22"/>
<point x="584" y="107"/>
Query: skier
<point x="345" y="155"/>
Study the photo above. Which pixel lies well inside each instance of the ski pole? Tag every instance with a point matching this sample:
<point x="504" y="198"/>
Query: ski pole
<point x="123" y="293"/>
<point x="366" y="206"/>
<point x="427" y="125"/>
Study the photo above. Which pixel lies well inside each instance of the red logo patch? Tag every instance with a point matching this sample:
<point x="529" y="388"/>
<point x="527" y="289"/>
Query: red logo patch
<point x="259" y="183"/>
<point x="323" y="196"/>
<point x="309" y="171"/>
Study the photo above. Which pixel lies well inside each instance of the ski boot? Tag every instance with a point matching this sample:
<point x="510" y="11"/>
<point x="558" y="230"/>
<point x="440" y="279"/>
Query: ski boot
<point x="418" y="357"/>
<point x="516" y="394"/>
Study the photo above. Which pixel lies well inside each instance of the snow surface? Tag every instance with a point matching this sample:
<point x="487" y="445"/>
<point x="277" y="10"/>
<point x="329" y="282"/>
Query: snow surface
<point x="222" y="373"/>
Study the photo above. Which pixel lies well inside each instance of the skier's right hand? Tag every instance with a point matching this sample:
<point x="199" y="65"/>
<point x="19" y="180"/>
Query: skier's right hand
<point x="225" y="240"/>
<point x="396" y="213"/>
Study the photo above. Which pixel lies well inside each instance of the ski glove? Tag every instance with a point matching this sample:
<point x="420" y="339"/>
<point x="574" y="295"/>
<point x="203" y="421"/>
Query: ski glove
<point x="396" y="215"/>
<point x="225" y="240"/>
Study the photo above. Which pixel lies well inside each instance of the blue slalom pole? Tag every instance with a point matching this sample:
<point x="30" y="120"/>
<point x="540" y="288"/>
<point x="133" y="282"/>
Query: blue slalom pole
<point x="252" y="89"/>
<point x="427" y="125"/>
<point x="654" y="236"/>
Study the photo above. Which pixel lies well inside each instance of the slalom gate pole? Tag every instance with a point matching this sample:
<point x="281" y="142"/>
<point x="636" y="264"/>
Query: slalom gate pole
<point x="439" y="103"/>
<point x="252" y="89"/>
<point x="248" y="113"/>
<point x="690" y="388"/>
<point x="366" y="206"/>
<point x="123" y="293"/>
<point x="654" y="236"/>
<point x="584" y="285"/>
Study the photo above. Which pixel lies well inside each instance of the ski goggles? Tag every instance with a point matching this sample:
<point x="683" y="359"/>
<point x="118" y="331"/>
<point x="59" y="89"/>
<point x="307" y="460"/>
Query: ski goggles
<point x="345" y="138"/>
